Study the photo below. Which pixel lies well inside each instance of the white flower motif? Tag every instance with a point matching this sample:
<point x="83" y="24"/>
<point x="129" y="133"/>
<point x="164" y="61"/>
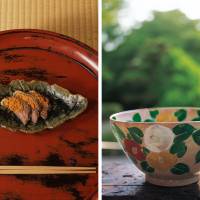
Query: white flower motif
<point x="158" y="138"/>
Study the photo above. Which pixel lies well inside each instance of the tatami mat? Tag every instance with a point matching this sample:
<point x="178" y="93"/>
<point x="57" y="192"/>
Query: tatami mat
<point x="75" y="18"/>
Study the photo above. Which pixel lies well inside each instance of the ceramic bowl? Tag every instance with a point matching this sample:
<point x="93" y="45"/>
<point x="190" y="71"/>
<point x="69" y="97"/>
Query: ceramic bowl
<point x="164" y="143"/>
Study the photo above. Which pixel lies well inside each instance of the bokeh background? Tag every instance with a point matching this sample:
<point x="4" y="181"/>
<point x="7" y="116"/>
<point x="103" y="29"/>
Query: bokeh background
<point x="151" y="55"/>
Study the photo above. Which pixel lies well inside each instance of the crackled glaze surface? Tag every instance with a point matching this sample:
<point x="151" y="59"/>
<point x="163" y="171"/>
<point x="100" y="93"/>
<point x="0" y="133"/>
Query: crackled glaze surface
<point x="164" y="143"/>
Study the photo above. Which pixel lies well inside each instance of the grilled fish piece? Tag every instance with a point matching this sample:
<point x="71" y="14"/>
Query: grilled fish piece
<point x="43" y="101"/>
<point x="32" y="102"/>
<point x="21" y="109"/>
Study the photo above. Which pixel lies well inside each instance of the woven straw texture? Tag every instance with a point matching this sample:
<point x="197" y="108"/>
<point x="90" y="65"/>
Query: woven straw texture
<point x="75" y="18"/>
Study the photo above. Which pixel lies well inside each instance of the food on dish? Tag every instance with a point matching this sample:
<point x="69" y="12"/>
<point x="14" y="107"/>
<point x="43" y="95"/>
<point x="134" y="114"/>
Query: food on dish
<point x="34" y="106"/>
<point x="20" y="108"/>
<point x="32" y="102"/>
<point x="43" y="101"/>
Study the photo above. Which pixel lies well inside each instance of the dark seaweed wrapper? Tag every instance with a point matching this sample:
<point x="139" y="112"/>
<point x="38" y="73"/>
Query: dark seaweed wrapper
<point x="64" y="106"/>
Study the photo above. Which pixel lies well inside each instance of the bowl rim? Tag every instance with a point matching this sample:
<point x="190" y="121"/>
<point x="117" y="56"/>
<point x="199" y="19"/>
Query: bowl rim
<point x="155" y="108"/>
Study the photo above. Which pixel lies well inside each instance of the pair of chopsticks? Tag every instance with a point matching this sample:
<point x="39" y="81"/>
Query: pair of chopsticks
<point x="46" y="170"/>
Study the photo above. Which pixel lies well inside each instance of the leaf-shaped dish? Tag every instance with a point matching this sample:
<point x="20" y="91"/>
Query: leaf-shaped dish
<point x="64" y="105"/>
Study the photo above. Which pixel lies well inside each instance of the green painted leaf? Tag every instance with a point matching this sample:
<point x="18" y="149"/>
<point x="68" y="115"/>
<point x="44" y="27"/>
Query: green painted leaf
<point x="145" y="150"/>
<point x="145" y="166"/>
<point x="154" y="113"/>
<point x="118" y="132"/>
<point x="196" y="119"/>
<point x="183" y="128"/>
<point x="197" y="157"/>
<point x="179" y="149"/>
<point x="180" y="168"/>
<point x="136" y="134"/>
<point x="182" y="137"/>
<point x="114" y="118"/>
<point x="136" y="131"/>
<point x="129" y="137"/>
<point x="137" y="117"/>
<point x="182" y="151"/>
<point x="149" y="120"/>
<point x="137" y="139"/>
<point x="196" y="136"/>
<point x="181" y="114"/>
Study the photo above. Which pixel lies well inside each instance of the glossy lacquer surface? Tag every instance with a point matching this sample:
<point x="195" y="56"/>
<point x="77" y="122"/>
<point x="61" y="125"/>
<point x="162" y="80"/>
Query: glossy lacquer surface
<point x="41" y="55"/>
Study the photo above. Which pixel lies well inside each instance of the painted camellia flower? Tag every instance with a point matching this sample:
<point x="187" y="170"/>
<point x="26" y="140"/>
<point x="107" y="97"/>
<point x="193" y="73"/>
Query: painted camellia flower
<point x="158" y="138"/>
<point x="134" y="149"/>
<point x="161" y="161"/>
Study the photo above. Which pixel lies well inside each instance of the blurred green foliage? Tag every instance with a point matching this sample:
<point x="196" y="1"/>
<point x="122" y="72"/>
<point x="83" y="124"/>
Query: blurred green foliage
<point x="111" y="28"/>
<point x="110" y="108"/>
<point x="156" y="64"/>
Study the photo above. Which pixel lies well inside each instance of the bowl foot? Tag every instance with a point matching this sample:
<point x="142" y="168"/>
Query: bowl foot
<point x="171" y="182"/>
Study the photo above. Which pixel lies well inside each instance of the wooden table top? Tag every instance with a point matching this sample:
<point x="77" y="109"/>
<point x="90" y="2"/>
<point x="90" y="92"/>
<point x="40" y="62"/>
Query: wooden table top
<point x="122" y="180"/>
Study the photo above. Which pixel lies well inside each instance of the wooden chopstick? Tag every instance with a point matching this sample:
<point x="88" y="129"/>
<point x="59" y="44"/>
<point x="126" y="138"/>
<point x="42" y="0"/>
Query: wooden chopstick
<point x="46" y="170"/>
<point x="45" y="167"/>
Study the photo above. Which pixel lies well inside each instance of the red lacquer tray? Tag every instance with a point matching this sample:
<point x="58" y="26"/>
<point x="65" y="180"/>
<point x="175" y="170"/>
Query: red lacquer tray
<point x="42" y="55"/>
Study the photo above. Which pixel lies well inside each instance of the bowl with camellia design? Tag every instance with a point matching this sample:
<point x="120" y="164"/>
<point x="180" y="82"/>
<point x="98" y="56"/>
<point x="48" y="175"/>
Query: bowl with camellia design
<point x="164" y="143"/>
